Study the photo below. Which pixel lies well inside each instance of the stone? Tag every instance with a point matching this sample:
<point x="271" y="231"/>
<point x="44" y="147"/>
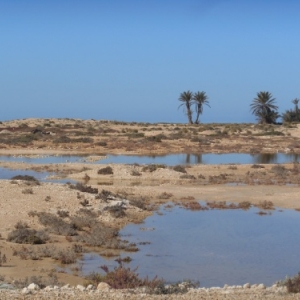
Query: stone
<point x="261" y="286"/>
<point x="90" y="287"/>
<point x="26" y="291"/>
<point x="103" y="286"/>
<point x="246" y="286"/>
<point x="80" y="288"/>
<point x="66" y="287"/>
<point x="33" y="287"/>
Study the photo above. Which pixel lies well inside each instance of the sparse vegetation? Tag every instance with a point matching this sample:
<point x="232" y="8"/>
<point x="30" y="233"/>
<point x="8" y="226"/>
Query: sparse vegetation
<point x="106" y="171"/>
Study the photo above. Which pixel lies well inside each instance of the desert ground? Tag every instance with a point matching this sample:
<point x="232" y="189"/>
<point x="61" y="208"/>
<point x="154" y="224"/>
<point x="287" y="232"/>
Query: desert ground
<point x="45" y="225"/>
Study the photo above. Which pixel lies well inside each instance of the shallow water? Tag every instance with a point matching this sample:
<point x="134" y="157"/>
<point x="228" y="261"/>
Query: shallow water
<point x="169" y="159"/>
<point x="41" y="176"/>
<point x="215" y="247"/>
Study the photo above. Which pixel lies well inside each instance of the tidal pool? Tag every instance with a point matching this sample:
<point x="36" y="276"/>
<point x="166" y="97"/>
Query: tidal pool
<point x="169" y="159"/>
<point x="215" y="247"/>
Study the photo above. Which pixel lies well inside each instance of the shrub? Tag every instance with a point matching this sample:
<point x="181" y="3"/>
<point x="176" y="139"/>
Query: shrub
<point x="27" y="191"/>
<point x="116" y="211"/>
<point x="29" y="178"/>
<point x="102" y="144"/>
<point x="165" y="195"/>
<point x="106" y="171"/>
<point x="268" y="205"/>
<point x="67" y="256"/>
<point x="63" y="213"/>
<point x="123" y="278"/>
<point x="187" y="176"/>
<point x="28" y="236"/>
<point x="100" y="235"/>
<point x="153" y="167"/>
<point x="3" y="259"/>
<point x="179" y="168"/>
<point x="84" y="188"/>
<point x="292" y="284"/>
<point x="255" y="166"/>
<point x="139" y="203"/>
<point x="62" y="139"/>
<point x="135" y="173"/>
<point x="55" y="224"/>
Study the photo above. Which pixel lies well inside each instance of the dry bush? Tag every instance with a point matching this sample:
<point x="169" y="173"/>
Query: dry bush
<point x="63" y="213"/>
<point x="179" y="168"/>
<point x="256" y="166"/>
<point x="55" y="224"/>
<point x="135" y="173"/>
<point x="187" y="176"/>
<point x="42" y="282"/>
<point x="217" y="205"/>
<point x="291" y="283"/>
<point x="279" y="170"/>
<point x="106" y="195"/>
<point x="28" y="191"/>
<point x="100" y="235"/>
<point x="21" y="225"/>
<point x="232" y="167"/>
<point x="267" y="205"/>
<point x="244" y="205"/>
<point x="165" y="195"/>
<point x="66" y="256"/>
<point x="153" y="167"/>
<point x="117" y="211"/>
<point x="3" y="259"/>
<point x="194" y="205"/>
<point x="83" y="188"/>
<point x="123" y="278"/>
<point x="28" y="236"/>
<point x="28" y="178"/>
<point x="139" y="203"/>
<point x="106" y="171"/>
<point x="80" y="222"/>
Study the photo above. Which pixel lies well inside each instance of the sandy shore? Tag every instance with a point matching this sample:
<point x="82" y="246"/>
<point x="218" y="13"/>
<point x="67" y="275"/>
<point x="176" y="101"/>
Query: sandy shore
<point x="231" y="183"/>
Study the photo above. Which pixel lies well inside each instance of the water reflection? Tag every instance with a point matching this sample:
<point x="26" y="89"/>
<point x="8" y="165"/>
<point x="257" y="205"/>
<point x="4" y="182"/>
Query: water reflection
<point x="41" y="176"/>
<point x="169" y="159"/>
<point x="216" y="247"/>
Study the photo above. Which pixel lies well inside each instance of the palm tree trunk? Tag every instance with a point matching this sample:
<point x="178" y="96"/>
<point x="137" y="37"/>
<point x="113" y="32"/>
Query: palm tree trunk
<point x="189" y="113"/>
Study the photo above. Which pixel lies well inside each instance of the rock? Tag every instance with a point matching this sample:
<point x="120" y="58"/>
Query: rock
<point x="66" y="287"/>
<point x="246" y="286"/>
<point x="225" y="286"/>
<point x="33" y="287"/>
<point x="261" y="286"/>
<point x="90" y="287"/>
<point x="103" y="286"/>
<point x="26" y="291"/>
<point x="80" y="288"/>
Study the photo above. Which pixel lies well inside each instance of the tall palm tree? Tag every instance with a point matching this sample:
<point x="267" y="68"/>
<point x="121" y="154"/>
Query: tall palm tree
<point x="186" y="99"/>
<point x="200" y="98"/>
<point x="264" y="108"/>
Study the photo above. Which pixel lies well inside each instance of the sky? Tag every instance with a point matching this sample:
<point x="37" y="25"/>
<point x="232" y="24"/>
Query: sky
<point x="129" y="60"/>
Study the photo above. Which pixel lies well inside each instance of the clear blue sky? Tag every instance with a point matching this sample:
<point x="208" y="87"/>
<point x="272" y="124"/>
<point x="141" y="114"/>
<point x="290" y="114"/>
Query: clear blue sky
<point x="129" y="60"/>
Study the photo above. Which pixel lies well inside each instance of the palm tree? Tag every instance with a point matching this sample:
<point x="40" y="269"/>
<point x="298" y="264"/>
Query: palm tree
<point x="296" y="101"/>
<point x="200" y="98"/>
<point x="263" y="108"/>
<point x="186" y="99"/>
